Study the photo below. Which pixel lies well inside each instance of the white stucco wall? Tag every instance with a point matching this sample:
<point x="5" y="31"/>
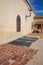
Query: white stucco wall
<point x="9" y="9"/>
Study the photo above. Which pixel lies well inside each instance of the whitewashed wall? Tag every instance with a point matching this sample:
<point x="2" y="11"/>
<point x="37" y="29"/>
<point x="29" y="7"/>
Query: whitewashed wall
<point x="9" y="9"/>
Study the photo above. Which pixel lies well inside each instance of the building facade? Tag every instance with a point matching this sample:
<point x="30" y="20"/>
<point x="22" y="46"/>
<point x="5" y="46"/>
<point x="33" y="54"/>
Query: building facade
<point x="15" y="19"/>
<point x="38" y="24"/>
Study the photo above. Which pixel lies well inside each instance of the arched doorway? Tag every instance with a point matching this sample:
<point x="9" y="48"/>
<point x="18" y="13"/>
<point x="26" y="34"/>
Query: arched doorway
<point x="39" y="26"/>
<point x="18" y="23"/>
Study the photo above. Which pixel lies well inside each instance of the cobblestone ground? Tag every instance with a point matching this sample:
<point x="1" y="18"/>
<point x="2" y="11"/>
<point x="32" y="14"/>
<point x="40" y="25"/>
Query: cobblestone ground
<point x="15" y="55"/>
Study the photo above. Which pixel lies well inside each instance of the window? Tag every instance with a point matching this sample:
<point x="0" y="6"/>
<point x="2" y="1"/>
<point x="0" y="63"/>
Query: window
<point x="32" y="25"/>
<point x="18" y="23"/>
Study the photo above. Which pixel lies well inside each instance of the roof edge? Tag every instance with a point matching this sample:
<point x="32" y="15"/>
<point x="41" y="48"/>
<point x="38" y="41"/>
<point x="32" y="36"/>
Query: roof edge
<point x="38" y="17"/>
<point x="31" y="8"/>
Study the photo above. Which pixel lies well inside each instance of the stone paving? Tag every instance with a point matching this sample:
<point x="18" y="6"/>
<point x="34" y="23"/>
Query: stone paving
<point x="38" y="58"/>
<point x="16" y="55"/>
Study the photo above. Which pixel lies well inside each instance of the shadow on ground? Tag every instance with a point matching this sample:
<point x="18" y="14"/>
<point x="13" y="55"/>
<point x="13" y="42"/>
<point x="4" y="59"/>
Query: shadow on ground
<point x="24" y="41"/>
